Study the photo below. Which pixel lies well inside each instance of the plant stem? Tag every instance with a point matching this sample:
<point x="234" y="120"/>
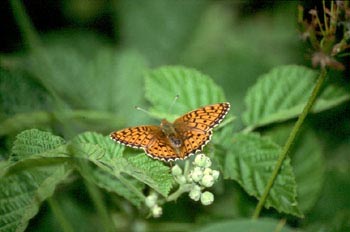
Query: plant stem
<point x="30" y="37"/>
<point x="96" y="197"/>
<point x="59" y="215"/>
<point x="290" y="141"/>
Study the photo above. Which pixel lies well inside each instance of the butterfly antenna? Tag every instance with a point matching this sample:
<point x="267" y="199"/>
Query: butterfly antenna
<point x="143" y="110"/>
<point x="173" y="103"/>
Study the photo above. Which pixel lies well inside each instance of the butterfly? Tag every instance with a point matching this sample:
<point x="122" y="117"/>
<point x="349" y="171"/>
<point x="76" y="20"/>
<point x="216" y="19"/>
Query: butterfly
<point x="187" y="135"/>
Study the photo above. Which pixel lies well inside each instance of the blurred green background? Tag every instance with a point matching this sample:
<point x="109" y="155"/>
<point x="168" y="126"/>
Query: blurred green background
<point x="85" y="61"/>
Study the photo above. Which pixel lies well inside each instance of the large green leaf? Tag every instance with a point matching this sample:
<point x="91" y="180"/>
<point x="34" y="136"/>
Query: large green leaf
<point x="261" y="225"/>
<point x="31" y="142"/>
<point x="152" y="172"/>
<point x="194" y="89"/>
<point x="106" y="154"/>
<point x="22" y="192"/>
<point x="159" y="29"/>
<point x="250" y="161"/>
<point x="308" y="164"/>
<point x="15" y="89"/>
<point x="282" y="93"/>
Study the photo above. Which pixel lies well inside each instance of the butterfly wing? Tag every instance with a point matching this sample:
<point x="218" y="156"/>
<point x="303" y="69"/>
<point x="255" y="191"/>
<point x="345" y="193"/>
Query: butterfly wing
<point x="196" y="126"/>
<point x="149" y="138"/>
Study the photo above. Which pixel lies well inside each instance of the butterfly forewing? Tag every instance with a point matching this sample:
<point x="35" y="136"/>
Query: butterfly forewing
<point x="139" y="136"/>
<point x="205" y="118"/>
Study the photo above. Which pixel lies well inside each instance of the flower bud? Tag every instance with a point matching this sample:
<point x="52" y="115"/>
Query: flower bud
<point x="207" y="180"/>
<point x="216" y="174"/>
<point x="157" y="211"/>
<point x="207" y="198"/>
<point x="195" y="193"/>
<point x="181" y="179"/>
<point x="176" y="170"/>
<point x="202" y="160"/>
<point x="197" y="174"/>
<point x="208" y="171"/>
<point x="199" y="160"/>
<point x="151" y="200"/>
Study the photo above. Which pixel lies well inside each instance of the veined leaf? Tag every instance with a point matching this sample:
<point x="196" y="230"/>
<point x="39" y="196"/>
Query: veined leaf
<point x="282" y="94"/>
<point x="261" y="225"/>
<point x="22" y="193"/>
<point x="194" y="89"/>
<point x="128" y="188"/>
<point x="152" y="172"/>
<point x="31" y="142"/>
<point x="250" y="161"/>
<point x="106" y="154"/>
<point x="308" y="164"/>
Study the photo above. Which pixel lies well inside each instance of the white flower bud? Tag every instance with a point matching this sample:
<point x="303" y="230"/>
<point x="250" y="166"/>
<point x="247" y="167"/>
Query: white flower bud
<point x="181" y="179"/>
<point x="199" y="160"/>
<point x="202" y="161"/>
<point x="208" y="171"/>
<point x="216" y="174"/>
<point x="151" y="200"/>
<point x="207" y="162"/>
<point x="196" y="174"/>
<point x="176" y="170"/>
<point x="207" y="198"/>
<point x="195" y="193"/>
<point x="157" y="211"/>
<point x="207" y="180"/>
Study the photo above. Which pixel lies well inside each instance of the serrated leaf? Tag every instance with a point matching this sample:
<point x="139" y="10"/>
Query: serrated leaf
<point x="22" y="193"/>
<point x="106" y="154"/>
<point x="250" y="161"/>
<point x="308" y="164"/>
<point x="31" y="142"/>
<point x="111" y="183"/>
<point x="152" y="172"/>
<point x="113" y="149"/>
<point x="261" y="225"/>
<point x="194" y="89"/>
<point x="282" y="94"/>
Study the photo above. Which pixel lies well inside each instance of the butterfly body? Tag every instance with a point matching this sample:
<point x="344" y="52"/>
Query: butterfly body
<point x="187" y="135"/>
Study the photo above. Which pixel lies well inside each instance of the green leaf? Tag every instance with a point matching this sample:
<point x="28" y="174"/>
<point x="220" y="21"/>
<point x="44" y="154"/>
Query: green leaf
<point x="39" y="119"/>
<point x="250" y="161"/>
<point x="194" y="89"/>
<point x="261" y="225"/>
<point x="22" y="193"/>
<point x="152" y="172"/>
<point x="159" y="29"/>
<point x="34" y="141"/>
<point x="107" y="155"/>
<point x="282" y="93"/>
<point x="111" y="183"/>
<point x="15" y="88"/>
<point x="308" y="164"/>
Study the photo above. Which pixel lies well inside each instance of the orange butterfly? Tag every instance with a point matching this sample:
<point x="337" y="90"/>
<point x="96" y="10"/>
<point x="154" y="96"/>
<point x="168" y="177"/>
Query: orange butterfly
<point x="187" y="135"/>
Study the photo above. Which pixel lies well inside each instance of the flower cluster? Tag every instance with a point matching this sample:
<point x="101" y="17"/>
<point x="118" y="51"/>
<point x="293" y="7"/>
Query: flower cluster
<point x="194" y="178"/>
<point x="328" y="32"/>
<point x="200" y="176"/>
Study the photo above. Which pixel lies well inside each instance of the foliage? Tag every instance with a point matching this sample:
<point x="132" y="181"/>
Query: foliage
<point x="68" y="89"/>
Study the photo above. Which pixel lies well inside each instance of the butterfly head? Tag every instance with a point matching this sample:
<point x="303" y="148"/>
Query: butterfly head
<point x="170" y="132"/>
